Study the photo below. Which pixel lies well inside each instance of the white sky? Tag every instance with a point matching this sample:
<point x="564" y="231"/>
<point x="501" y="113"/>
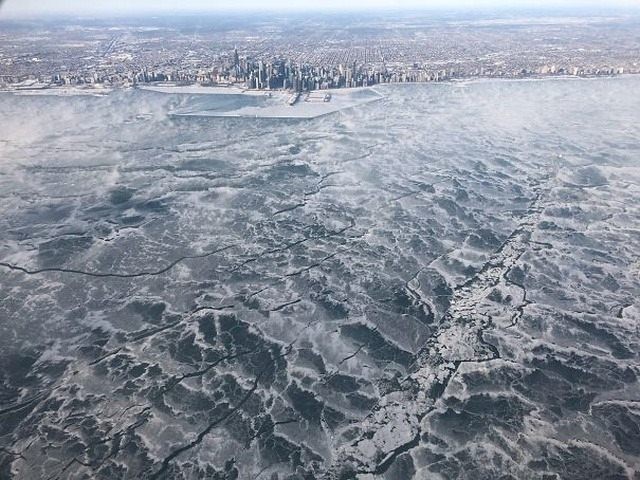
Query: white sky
<point x="35" y="7"/>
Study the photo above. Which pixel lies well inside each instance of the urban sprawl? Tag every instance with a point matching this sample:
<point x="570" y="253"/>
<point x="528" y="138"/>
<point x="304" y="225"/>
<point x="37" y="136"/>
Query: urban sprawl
<point x="272" y="53"/>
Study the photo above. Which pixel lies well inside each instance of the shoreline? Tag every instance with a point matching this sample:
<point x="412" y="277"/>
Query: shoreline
<point x="197" y="89"/>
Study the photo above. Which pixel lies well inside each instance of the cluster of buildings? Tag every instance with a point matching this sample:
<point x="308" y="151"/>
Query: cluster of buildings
<point x="286" y="75"/>
<point x="282" y="74"/>
<point x="272" y="53"/>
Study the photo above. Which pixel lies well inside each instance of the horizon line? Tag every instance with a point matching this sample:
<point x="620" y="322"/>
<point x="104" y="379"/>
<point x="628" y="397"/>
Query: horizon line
<point x="376" y="9"/>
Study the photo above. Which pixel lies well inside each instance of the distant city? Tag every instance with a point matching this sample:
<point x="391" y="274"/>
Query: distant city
<point x="300" y="53"/>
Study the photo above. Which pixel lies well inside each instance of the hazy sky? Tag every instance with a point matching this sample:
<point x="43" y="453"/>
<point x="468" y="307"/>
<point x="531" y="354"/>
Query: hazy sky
<point x="33" y="7"/>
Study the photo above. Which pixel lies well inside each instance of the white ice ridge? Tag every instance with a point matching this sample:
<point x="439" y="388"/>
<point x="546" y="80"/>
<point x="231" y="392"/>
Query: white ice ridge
<point x="393" y="427"/>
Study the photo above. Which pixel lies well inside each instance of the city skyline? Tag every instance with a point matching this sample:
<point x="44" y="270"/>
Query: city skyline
<point x="281" y="52"/>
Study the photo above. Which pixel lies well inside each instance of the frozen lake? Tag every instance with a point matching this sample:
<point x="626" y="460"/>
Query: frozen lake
<point x="442" y="283"/>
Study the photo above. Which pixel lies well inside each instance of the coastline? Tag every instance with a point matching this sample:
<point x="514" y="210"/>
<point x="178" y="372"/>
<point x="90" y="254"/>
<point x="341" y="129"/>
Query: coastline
<point x="197" y="89"/>
<point x="62" y="91"/>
